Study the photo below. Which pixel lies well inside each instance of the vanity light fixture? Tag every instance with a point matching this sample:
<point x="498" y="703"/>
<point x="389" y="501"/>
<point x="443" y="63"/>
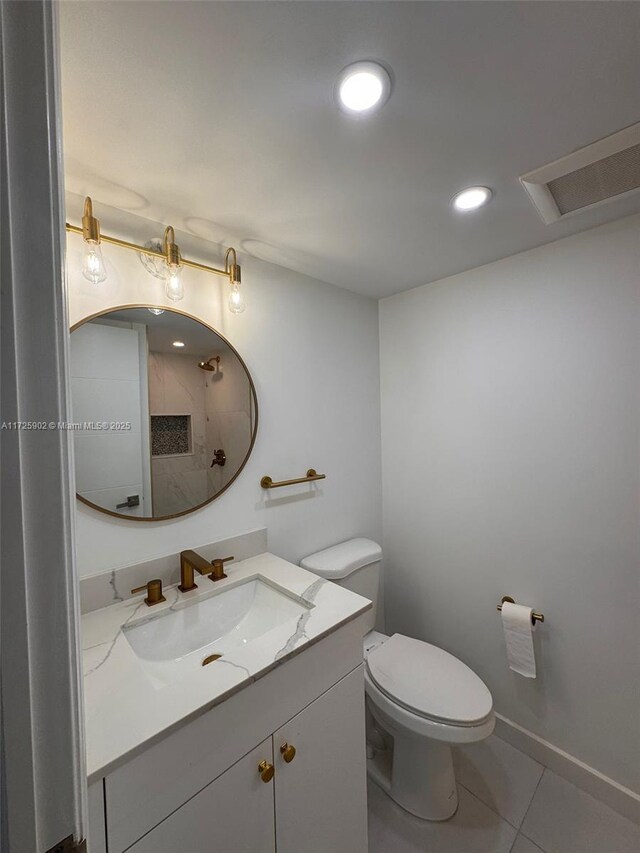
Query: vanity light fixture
<point x="362" y="88"/>
<point x="155" y="265"/>
<point x="173" y="279"/>
<point x="236" y="297"/>
<point x="166" y="257"/>
<point x="92" y="261"/>
<point x="471" y="199"/>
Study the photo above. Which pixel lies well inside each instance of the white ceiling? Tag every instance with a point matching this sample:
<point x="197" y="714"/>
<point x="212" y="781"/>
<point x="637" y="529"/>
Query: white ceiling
<point x="200" y="342"/>
<point x="219" y="118"/>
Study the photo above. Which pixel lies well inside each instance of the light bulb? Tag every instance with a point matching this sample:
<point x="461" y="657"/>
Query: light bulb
<point x="236" y="300"/>
<point x="363" y="87"/>
<point x="361" y="91"/>
<point x="92" y="263"/>
<point x="174" y="288"/>
<point x="156" y="311"/>
<point x="471" y="199"/>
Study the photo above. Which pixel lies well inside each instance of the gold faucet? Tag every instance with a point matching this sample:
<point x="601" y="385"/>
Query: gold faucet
<point x="191" y="561"/>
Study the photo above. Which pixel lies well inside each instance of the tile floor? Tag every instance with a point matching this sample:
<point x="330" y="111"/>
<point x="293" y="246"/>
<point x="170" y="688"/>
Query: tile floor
<point x="508" y="804"/>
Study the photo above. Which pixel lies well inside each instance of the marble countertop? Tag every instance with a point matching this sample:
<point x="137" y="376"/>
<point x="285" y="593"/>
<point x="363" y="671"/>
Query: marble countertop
<point x="125" y="709"/>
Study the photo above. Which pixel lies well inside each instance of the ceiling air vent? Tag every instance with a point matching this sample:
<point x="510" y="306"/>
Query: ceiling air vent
<point x="601" y="172"/>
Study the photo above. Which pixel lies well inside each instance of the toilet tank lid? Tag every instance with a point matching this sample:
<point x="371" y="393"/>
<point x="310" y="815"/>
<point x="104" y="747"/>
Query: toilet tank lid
<point x="340" y="560"/>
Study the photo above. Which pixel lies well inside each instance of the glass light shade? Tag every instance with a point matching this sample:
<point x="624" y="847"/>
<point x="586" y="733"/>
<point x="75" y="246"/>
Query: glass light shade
<point x="174" y="288"/>
<point x="154" y="264"/>
<point x="93" y="268"/>
<point x="236" y="300"/>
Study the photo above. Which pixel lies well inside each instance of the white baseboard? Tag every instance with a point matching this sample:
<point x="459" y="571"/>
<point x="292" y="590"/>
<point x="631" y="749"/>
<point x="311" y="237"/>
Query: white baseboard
<point x="623" y="800"/>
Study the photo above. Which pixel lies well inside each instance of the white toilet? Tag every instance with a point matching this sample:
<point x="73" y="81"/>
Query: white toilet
<point x="420" y="696"/>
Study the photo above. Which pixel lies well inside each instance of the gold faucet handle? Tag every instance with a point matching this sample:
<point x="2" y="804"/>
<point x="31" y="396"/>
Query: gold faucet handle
<point x="154" y="592"/>
<point x="218" y="568"/>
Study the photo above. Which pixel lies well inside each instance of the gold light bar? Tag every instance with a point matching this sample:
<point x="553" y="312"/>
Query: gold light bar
<point x="90" y="230"/>
<point x="125" y="244"/>
<point x="90" y="226"/>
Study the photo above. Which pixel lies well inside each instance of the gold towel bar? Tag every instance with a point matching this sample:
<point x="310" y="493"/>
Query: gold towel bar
<point x="535" y="617"/>
<point x="267" y="483"/>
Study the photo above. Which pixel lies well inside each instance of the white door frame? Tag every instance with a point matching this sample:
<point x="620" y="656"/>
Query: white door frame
<point x="43" y="800"/>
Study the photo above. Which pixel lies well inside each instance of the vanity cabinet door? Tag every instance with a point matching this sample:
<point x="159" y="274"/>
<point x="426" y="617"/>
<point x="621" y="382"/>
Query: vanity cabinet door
<point x="233" y="814"/>
<point x="321" y="793"/>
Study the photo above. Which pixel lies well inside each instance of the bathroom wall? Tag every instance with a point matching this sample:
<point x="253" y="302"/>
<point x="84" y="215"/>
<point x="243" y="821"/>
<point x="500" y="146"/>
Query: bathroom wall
<point x="228" y="411"/>
<point x="219" y="405"/>
<point x="176" y="387"/>
<point x="511" y="437"/>
<point x="312" y="350"/>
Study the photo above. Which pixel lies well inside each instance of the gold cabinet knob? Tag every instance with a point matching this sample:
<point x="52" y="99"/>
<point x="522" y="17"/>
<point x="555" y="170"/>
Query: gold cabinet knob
<point x="266" y="771"/>
<point x="288" y="752"/>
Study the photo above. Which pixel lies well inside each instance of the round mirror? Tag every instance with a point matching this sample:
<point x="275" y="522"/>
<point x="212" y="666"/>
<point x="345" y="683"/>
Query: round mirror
<point x="164" y="412"/>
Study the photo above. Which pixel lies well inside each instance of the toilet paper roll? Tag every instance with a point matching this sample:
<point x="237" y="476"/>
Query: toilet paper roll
<point x="518" y="634"/>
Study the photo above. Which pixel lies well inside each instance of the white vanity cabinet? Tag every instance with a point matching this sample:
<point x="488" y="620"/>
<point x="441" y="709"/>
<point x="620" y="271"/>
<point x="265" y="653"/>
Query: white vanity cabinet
<point x="199" y="789"/>
<point x="234" y="814"/>
<point x="312" y="804"/>
<point x="319" y="793"/>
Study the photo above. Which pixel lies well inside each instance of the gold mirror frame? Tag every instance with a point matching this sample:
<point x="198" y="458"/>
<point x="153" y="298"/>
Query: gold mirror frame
<point x="254" y="433"/>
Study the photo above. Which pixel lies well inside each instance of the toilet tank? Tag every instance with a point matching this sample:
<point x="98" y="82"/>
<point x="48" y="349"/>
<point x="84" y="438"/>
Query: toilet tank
<point x="354" y="564"/>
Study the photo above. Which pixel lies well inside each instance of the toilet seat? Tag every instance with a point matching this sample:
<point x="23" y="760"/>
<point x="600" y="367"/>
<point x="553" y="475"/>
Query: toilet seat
<point x="429" y="683"/>
<point x="396" y="719"/>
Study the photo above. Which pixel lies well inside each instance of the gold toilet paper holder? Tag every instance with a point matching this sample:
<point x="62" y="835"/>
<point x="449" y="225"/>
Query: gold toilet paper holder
<point x="535" y="617"/>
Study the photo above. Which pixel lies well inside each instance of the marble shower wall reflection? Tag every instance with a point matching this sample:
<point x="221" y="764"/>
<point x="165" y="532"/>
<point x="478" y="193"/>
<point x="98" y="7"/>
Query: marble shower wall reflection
<point x="228" y="418"/>
<point x="219" y="408"/>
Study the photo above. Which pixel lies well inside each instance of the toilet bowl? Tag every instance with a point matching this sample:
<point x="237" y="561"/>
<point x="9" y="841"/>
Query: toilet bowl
<point x="420" y="698"/>
<point x="426" y="699"/>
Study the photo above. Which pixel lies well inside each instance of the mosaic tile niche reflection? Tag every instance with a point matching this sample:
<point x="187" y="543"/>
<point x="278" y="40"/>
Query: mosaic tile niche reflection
<point x="170" y="435"/>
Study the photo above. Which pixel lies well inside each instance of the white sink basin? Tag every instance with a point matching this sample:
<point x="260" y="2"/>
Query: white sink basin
<point x="175" y="643"/>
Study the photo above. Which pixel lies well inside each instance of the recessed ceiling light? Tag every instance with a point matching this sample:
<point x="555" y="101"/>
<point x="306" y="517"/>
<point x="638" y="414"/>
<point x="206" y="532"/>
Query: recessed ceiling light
<point x="471" y="199"/>
<point x="363" y="87"/>
<point x="178" y="343"/>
